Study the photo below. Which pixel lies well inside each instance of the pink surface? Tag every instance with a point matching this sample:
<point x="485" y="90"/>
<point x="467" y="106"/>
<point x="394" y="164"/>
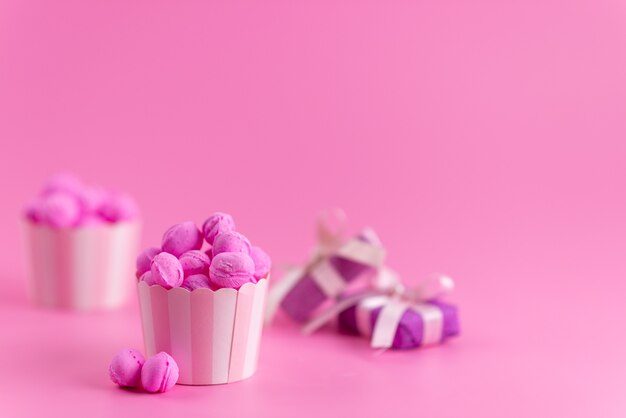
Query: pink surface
<point x="483" y="139"/>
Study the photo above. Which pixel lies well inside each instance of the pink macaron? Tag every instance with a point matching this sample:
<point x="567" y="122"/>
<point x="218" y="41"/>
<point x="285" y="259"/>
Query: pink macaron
<point x="195" y="262"/>
<point x="262" y="262"/>
<point x="125" y="368"/>
<point x="166" y="270"/>
<point x="181" y="238"/>
<point x="216" y="224"/>
<point x="231" y="270"/>
<point x="231" y="242"/>
<point x="159" y="373"/>
<point x="144" y="259"/>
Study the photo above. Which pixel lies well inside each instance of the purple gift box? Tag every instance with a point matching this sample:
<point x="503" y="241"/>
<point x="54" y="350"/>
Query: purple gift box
<point x="361" y="319"/>
<point x="307" y="295"/>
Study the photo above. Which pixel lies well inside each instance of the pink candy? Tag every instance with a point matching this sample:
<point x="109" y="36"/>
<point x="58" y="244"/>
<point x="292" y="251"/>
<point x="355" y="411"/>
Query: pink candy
<point x="228" y="260"/>
<point x="118" y="207"/>
<point x="144" y="259"/>
<point x="63" y="182"/>
<point x="196" y="281"/>
<point x="216" y="224"/>
<point x="231" y="270"/>
<point x="231" y="242"/>
<point x="166" y="270"/>
<point x="125" y="369"/>
<point x="148" y="278"/>
<point x="66" y="203"/>
<point x="195" y="262"/>
<point x="181" y="238"/>
<point x="157" y="374"/>
<point x="262" y="262"/>
<point x="60" y="210"/>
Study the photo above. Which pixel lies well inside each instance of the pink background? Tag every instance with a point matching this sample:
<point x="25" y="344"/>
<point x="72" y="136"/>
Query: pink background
<point x="485" y="139"/>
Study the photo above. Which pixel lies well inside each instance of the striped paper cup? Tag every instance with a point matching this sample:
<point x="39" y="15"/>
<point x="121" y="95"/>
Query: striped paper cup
<point x="83" y="268"/>
<point x="214" y="336"/>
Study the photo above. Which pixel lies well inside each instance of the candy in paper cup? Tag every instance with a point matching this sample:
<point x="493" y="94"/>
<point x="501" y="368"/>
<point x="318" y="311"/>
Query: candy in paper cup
<point x="82" y="268"/>
<point x="213" y="335"/>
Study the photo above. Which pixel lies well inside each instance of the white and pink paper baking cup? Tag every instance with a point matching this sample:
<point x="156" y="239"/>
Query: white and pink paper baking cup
<point x="83" y="268"/>
<point x="213" y="335"/>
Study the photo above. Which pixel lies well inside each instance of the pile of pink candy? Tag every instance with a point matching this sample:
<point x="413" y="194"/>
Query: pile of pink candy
<point x="228" y="261"/>
<point x="65" y="202"/>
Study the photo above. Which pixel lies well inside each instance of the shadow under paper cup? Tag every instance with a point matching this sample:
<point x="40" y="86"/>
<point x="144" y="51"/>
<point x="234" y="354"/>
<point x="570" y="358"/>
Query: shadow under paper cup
<point x="83" y="268"/>
<point x="214" y="336"/>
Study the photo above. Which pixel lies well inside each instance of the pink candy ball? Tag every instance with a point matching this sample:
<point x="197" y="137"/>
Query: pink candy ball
<point x="196" y="281"/>
<point x="118" y="207"/>
<point x="216" y="224"/>
<point x="60" y="209"/>
<point x="231" y="242"/>
<point x="148" y="278"/>
<point x="181" y="238"/>
<point x="159" y="373"/>
<point x="34" y="211"/>
<point x="166" y="270"/>
<point x="195" y="262"/>
<point x="125" y="368"/>
<point x="66" y="202"/>
<point x="92" y="199"/>
<point x="262" y="262"/>
<point x="231" y="270"/>
<point x="144" y="259"/>
<point x="63" y="182"/>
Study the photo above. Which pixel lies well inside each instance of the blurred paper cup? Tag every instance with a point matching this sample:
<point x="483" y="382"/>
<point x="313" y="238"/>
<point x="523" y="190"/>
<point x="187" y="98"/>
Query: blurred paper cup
<point x="82" y="268"/>
<point x="213" y="335"/>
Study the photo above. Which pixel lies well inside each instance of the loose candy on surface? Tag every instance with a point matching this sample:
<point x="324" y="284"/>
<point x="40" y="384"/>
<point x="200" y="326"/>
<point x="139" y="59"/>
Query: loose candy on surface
<point x="262" y="262"/>
<point x="166" y="270"/>
<point x="159" y="373"/>
<point x="195" y="262"/>
<point x="216" y="224"/>
<point x="181" y="238"/>
<point x="125" y="368"/>
<point x="231" y="270"/>
<point x="231" y="242"/>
